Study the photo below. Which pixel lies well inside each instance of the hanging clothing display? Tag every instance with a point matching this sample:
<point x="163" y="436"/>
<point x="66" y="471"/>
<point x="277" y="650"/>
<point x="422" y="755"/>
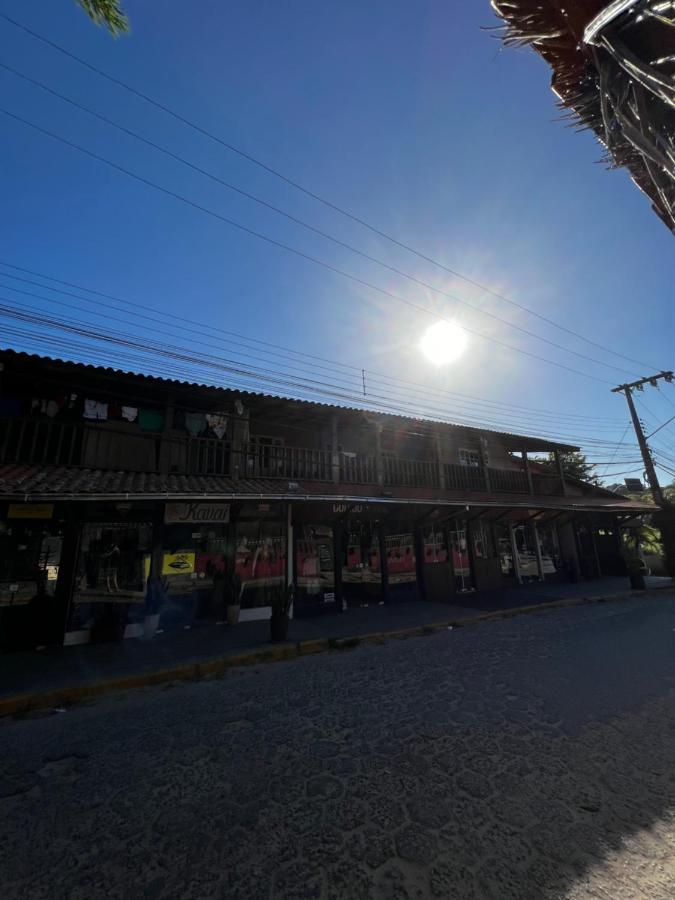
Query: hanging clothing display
<point x="130" y="413"/>
<point x="195" y="423"/>
<point x="151" y="419"/>
<point x="217" y="423"/>
<point x="95" y="410"/>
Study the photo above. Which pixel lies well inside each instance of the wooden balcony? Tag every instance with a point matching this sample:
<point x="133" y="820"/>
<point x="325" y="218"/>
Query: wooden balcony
<point x="120" y="446"/>
<point x="508" y="481"/>
<point x="410" y="472"/>
<point x="464" y="478"/>
<point x="358" y="469"/>
<point x="41" y="441"/>
<point x="295" y="463"/>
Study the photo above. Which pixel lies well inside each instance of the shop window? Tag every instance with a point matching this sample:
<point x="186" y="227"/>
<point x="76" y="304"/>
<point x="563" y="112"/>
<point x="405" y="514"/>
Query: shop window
<point x="461" y="559"/>
<point x="194" y="561"/>
<point x="469" y="458"/>
<point x="550" y="549"/>
<point x="401" y="564"/>
<point x="482" y="548"/>
<point x="30" y="555"/>
<point x="361" y="566"/>
<point x="435" y="545"/>
<point x="113" y="565"/>
<point x="260" y="560"/>
<point x="314" y="563"/>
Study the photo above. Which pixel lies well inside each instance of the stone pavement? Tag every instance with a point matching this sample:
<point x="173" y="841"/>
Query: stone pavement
<point x="62" y="668"/>
<point x="530" y="759"/>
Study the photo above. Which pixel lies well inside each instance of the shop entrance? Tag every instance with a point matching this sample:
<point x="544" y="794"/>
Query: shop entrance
<point x="32" y="612"/>
<point x="361" y="564"/>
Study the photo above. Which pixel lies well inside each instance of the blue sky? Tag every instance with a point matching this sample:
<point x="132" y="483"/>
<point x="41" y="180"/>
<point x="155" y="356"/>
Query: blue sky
<point x="408" y="115"/>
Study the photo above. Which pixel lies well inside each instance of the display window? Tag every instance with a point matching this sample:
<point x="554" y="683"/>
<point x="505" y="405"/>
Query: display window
<point x="113" y="564"/>
<point x="260" y="560"/>
<point x="314" y="564"/>
<point x="401" y="561"/>
<point x="194" y="557"/>
<point x="482" y="546"/>
<point x="550" y="548"/>
<point x="361" y="564"/>
<point x="435" y="545"/>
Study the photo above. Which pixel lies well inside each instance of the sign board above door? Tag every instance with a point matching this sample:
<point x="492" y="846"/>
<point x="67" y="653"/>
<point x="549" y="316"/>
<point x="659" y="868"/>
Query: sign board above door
<point x="214" y="513"/>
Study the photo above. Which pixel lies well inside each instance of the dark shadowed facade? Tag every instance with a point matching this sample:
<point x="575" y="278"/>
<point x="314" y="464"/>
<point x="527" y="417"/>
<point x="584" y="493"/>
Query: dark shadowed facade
<point x="108" y="478"/>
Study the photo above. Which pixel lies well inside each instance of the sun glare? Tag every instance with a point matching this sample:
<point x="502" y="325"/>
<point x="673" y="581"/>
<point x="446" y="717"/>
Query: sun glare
<point x="443" y="343"/>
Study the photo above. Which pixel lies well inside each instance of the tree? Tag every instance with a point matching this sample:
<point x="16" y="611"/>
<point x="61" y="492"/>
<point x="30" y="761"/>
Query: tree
<point x="108" y="13"/>
<point x="575" y="465"/>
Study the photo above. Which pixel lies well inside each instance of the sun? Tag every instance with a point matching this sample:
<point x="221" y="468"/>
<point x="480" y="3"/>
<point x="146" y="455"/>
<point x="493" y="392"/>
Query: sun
<point x="443" y="342"/>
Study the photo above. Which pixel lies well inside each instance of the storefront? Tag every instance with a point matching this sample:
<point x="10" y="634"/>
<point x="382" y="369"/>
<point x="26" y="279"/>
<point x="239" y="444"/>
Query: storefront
<point x="80" y="572"/>
<point x="31" y="546"/>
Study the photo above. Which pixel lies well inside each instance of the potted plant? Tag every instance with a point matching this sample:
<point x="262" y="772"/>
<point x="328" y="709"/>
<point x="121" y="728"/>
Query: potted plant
<point x="155" y="595"/>
<point x="636" y="572"/>
<point x="282" y="601"/>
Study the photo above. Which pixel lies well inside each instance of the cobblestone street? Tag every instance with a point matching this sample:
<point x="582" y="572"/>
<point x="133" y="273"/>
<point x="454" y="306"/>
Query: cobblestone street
<point x="525" y="758"/>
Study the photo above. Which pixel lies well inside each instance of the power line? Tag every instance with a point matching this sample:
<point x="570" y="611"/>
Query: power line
<point x="281" y="245"/>
<point x="180" y="354"/>
<point x="617" y="448"/>
<point x="228" y="185"/>
<point x="317" y="197"/>
<point x="418" y="389"/>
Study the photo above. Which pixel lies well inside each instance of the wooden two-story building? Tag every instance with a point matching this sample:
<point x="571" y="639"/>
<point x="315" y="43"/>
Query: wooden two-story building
<point x="109" y="477"/>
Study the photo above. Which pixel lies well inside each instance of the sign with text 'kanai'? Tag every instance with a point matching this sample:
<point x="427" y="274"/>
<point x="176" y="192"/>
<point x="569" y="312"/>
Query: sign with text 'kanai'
<point x="213" y="513"/>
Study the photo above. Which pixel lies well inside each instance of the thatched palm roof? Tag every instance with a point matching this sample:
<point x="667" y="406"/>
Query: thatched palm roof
<point x="614" y="72"/>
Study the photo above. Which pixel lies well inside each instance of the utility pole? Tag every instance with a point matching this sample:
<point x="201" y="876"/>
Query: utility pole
<point x="628" y="389"/>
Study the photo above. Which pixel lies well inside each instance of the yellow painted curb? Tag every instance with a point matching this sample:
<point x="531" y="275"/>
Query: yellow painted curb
<point x="68" y="696"/>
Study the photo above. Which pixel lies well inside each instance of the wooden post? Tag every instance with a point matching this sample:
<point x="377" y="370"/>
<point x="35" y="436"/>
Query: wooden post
<point x="238" y="440"/>
<point x="289" y="551"/>
<point x="514" y="554"/>
<point x="484" y="460"/>
<point x="379" y="462"/>
<point x="164" y="456"/>
<point x="561" y="471"/>
<point x="537" y="549"/>
<point x="528" y="471"/>
<point x="335" y="452"/>
<point x="384" y="571"/>
<point x="439" y="461"/>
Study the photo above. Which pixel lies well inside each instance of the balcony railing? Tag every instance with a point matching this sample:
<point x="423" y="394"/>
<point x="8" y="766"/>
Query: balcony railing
<point x="41" y="441"/>
<point x="508" y="481"/>
<point x="464" y="478"/>
<point x="358" y="469"/>
<point x="108" y="446"/>
<point x="263" y="460"/>
<point x="200" y="456"/>
<point x="409" y="472"/>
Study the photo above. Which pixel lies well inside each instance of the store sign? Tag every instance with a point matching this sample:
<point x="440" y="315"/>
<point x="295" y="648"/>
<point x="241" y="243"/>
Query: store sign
<point x="346" y="507"/>
<point x="30" y="511"/>
<point x="180" y="563"/>
<point x="175" y="513"/>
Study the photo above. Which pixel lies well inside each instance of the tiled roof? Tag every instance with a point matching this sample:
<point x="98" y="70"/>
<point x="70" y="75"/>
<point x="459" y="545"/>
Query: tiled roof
<point x="64" y="481"/>
<point x="19" y="482"/>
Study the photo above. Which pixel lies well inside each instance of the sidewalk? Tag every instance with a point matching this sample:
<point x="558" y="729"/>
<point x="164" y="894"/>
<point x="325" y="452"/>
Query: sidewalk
<point x="62" y="675"/>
